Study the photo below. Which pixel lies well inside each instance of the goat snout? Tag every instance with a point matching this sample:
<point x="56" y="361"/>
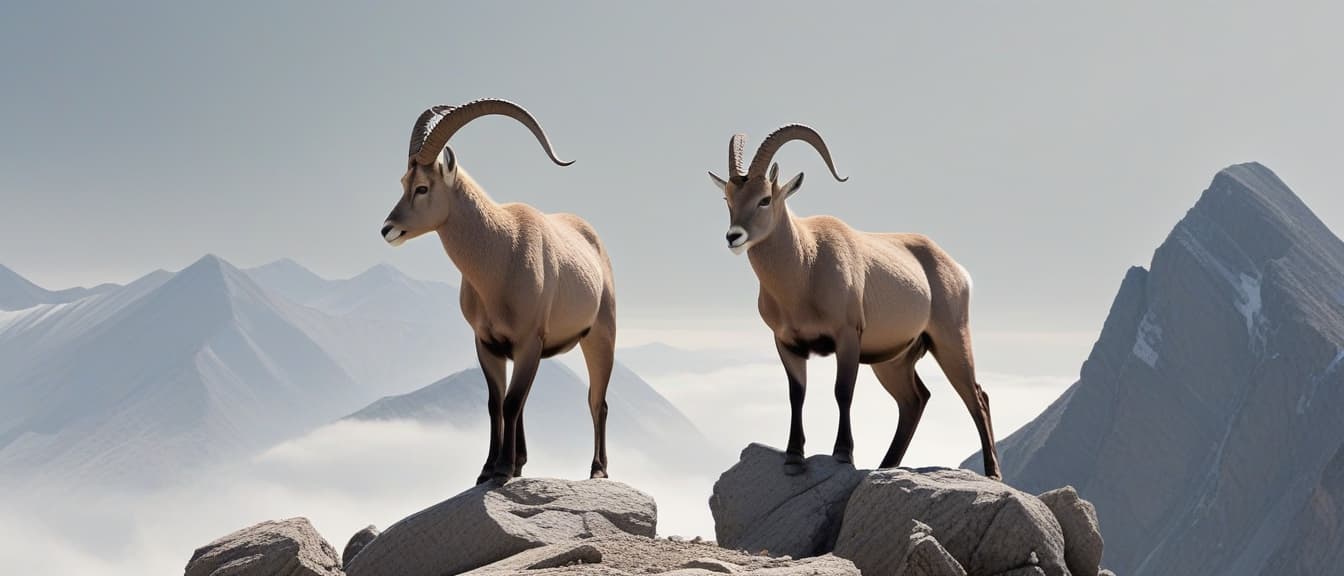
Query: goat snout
<point x="737" y="239"/>
<point x="392" y="234"/>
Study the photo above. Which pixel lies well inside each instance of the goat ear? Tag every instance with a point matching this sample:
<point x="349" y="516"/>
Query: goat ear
<point x="791" y="186"/>
<point x="720" y="182"/>
<point x="449" y="160"/>
<point x="774" y="172"/>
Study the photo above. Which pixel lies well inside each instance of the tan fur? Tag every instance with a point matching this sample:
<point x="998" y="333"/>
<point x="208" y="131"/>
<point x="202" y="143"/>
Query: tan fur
<point x="879" y="299"/>
<point x="533" y="285"/>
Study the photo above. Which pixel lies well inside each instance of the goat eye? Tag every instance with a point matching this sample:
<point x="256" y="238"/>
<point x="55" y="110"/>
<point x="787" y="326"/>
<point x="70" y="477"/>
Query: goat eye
<point x="421" y="190"/>
<point x="764" y="202"/>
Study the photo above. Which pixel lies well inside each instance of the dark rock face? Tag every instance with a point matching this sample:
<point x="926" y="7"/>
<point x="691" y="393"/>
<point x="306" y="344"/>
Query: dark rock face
<point x="1206" y="417"/>
<point x="758" y="508"/>
<point x="486" y="524"/>
<point x="357" y="543"/>
<point x="285" y="548"/>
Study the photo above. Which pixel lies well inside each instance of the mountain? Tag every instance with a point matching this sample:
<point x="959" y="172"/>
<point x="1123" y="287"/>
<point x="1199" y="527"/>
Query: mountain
<point x="18" y="293"/>
<point x="557" y="407"/>
<point x="137" y="384"/>
<point x="381" y="292"/>
<point x="202" y="365"/>
<point x="1207" y="425"/>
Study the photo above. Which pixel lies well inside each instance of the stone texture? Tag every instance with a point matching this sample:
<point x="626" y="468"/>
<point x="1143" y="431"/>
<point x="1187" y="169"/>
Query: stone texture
<point x="757" y="507"/>
<point x="924" y="556"/>
<point x="987" y="526"/>
<point x="1206" y="418"/>
<point x="488" y="523"/>
<point x="357" y="543"/>
<point x="1082" y="534"/>
<point x="625" y="555"/>
<point x="284" y="548"/>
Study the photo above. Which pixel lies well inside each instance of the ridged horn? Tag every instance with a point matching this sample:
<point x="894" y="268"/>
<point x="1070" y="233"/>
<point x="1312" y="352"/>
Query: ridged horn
<point x="453" y="118"/>
<point x="766" y="153"/>
<point x="423" y="125"/>
<point x="735" y="147"/>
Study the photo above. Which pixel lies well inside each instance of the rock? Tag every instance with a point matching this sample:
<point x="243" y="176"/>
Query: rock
<point x="625" y="555"/>
<point x="986" y="526"/>
<point x="357" y="543"/>
<point x="924" y="556"/>
<point x="489" y="523"/>
<point x="1082" y="534"/>
<point x="285" y="548"/>
<point x="757" y="507"/>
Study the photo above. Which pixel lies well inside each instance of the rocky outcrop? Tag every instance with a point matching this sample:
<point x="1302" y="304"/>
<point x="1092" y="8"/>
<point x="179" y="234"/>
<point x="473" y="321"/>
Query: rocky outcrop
<point x="931" y="522"/>
<point x="757" y="507"/>
<point x="285" y="548"/>
<point x="1082" y="533"/>
<point x="1206" y="418"/>
<point x="985" y="525"/>
<point x="629" y="555"/>
<point x="357" y="543"/>
<point x="487" y="523"/>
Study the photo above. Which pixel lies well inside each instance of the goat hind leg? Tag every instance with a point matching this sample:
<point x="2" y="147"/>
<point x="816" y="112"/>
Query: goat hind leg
<point x="898" y="377"/>
<point x="954" y="356"/>
<point x="598" y="355"/>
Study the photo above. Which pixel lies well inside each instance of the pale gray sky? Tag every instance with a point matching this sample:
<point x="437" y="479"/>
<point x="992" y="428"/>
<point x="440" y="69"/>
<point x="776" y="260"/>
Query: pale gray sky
<point x="1047" y="145"/>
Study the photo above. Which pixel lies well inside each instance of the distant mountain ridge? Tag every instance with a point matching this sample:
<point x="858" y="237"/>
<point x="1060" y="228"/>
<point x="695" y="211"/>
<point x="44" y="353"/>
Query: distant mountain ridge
<point x="134" y="384"/>
<point x="639" y="418"/>
<point x="18" y="293"/>
<point x="1208" y="423"/>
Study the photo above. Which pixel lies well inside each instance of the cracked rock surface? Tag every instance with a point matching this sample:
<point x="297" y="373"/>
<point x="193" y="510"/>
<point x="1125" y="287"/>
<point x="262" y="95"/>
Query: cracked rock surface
<point x="489" y="523"/>
<point x="988" y="527"/>
<point x="273" y="548"/>
<point x="758" y="508"/>
<point x="625" y="555"/>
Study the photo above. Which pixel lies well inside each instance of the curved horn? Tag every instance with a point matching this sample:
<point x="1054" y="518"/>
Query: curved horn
<point x="735" y="146"/>
<point x="423" y="125"/>
<point x="779" y="137"/>
<point x="455" y="117"/>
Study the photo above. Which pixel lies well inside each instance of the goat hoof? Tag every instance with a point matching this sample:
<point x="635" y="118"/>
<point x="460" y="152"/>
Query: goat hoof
<point x="794" y="464"/>
<point x="843" y="456"/>
<point x="597" y="474"/>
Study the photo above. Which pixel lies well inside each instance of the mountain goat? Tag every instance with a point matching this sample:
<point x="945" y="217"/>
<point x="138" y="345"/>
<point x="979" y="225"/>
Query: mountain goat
<point x="879" y="299"/>
<point x="534" y="285"/>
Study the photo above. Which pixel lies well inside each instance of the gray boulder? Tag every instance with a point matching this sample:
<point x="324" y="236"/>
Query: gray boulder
<point x="757" y="507"/>
<point x="489" y="523"/>
<point x="924" y="556"/>
<point x="1082" y="534"/>
<point x="285" y="548"/>
<point x="985" y="525"/>
<point x="357" y="543"/>
<point x="626" y="555"/>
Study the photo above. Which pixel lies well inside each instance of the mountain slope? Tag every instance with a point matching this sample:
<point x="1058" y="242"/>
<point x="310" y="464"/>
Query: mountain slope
<point x="557" y="418"/>
<point x="1207" y="417"/>
<point x="201" y="365"/>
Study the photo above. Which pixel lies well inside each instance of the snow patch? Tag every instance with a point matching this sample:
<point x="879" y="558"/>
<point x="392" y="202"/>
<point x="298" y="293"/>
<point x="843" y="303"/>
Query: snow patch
<point x="1146" y="340"/>
<point x="1248" y="301"/>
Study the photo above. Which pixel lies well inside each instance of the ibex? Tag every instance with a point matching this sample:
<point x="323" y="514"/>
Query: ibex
<point x="534" y="285"/>
<point x="879" y="299"/>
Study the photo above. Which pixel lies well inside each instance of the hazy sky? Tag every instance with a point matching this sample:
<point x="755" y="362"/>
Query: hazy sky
<point x="1047" y="145"/>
